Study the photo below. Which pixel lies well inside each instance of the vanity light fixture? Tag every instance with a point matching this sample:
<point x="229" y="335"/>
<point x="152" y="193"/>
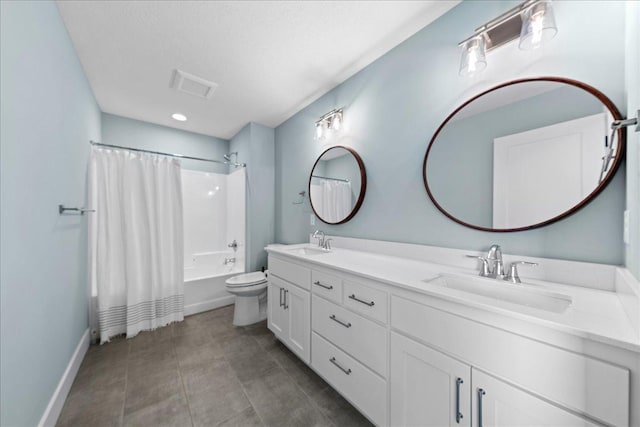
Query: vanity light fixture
<point x="473" y="56"/>
<point x="179" y="117"/>
<point x="532" y="21"/>
<point x="538" y="25"/>
<point x="328" y="124"/>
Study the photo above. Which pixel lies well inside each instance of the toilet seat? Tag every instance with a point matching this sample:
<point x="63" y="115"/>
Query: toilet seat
<point x="247" y="279"/>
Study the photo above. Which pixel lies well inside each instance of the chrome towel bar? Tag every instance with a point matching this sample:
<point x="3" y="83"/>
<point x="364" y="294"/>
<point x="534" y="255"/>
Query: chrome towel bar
<point x="62" y="209"/>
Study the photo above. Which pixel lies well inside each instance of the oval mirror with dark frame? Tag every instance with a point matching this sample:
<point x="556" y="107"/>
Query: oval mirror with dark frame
<point x="337" y="185"/>
<point x="523" y="154"/>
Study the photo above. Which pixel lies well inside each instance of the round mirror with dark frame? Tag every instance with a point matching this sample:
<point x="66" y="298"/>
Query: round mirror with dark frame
<point x="523" y="154"/>
<point x="337" y="185"/>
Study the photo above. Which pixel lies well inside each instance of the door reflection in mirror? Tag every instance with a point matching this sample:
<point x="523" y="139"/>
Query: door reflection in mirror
<point x="522" y="155"/>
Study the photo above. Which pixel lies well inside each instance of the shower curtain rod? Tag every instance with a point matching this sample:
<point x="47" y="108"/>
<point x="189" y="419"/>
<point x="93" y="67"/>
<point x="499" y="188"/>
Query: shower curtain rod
<point x="181" y="156"/>
<point x="332" y="179"/>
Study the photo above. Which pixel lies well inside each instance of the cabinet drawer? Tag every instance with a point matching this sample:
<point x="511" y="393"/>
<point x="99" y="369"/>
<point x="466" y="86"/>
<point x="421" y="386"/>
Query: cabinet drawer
<point x="361" y="338"/>
<point x="368" y="301"/>
<point x="572" y="380"/>
<point x="291" y="272"/>
<point x="363" y="388"/>
<point x="327" y="285"/>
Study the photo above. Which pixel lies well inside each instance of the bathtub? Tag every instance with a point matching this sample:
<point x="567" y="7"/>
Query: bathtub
<point x="204" y="280"/>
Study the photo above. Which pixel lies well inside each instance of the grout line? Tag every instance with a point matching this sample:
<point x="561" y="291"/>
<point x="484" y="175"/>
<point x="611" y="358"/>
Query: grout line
<point x="126" y="381"/>
<point x="265" y="349"/>
<point x="235" y="374"/>
<point x="184" y="388"/>
<point x="313" y="402"/>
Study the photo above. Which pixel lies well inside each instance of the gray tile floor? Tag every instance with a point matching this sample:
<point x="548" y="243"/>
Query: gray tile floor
<point x="202" y="372"/>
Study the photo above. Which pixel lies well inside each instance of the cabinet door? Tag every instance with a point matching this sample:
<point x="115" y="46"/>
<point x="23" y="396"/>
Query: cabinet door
<point x="427" y="387"/>
<point x="298" y="310"/>
<point x="277" y="315"/>
<point x="496" y="403"/>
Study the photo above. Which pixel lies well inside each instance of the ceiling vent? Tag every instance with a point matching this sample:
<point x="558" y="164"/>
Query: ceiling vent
<point x="193" y="85"/>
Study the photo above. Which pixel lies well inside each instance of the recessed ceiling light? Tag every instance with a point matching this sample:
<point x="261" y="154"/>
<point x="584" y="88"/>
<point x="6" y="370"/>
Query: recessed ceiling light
<point x="179" y="117"/>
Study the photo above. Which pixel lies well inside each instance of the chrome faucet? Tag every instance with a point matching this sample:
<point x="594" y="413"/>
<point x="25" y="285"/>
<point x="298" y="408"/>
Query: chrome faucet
<point x="319" y="234"/>
<point x="492" y="264"/>
<point x="513" y="276"/>
<point x="485" y="270"/>
<point x="323" y="242"/>
<point x="327" y="245"/>
<point x="495" y="258"/>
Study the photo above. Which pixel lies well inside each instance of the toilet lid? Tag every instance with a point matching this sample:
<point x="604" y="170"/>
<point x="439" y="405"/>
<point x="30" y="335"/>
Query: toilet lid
<point x="247" y="279"/>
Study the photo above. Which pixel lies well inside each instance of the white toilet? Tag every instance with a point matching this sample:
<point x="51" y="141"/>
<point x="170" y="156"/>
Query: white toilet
<point x="250" y="290"/>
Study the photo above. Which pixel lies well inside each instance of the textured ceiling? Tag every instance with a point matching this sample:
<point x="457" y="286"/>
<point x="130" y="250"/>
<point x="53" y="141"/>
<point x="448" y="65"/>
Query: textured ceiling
<point x="270" y="59"/>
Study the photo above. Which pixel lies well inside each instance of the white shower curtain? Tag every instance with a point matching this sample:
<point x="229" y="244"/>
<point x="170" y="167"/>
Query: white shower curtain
<point x="332" y="199"/>
<point x="136" y="241"/>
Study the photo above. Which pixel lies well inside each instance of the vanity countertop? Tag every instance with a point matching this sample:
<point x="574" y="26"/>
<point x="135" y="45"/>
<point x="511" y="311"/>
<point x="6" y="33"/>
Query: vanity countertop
<point x="593" y="314"/>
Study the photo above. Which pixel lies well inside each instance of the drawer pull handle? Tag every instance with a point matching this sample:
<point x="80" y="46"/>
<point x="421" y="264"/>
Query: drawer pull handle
<point x="346" y="371"/>
<point x="369" y="303"/>
<point x="458" y="413"/>
<point x="317" y="282"/>
<point x="346" y="325"/>
<point x="481" y="393"/>
<point x="286" y="306"/>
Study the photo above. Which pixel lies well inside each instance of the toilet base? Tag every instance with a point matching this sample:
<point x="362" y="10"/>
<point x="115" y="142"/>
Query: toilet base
<point x="250" y="310"/>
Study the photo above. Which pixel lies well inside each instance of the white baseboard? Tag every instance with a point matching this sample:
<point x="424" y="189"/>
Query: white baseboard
<point x="208" y="305"/>
<point x="51" y="414"/>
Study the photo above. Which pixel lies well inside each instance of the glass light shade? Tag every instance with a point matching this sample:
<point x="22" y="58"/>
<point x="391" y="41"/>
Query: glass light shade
<point x="336" y="121"/>
<point x="320" y="133"/>
<point x="538" y="25"/>
<point x="473" y="56"/>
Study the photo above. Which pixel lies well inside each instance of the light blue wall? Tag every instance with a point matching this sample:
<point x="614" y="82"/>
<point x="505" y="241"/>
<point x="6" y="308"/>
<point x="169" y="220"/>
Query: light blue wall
<point x="460" y="167"/>
<point x="48" y="114"/>
<point x="632" y="254"/>
<point x="132" y="133"/>
<point x="393" y="107"/>
<point x="255" y="146"/>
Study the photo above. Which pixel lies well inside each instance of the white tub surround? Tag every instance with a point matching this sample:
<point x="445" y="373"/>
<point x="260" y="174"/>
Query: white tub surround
<point x="378" y="324"/>
<point x="214" y="218"/>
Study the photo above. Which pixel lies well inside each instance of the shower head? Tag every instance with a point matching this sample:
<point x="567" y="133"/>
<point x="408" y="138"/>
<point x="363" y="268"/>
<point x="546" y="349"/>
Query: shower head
<point x="227" y="157"/>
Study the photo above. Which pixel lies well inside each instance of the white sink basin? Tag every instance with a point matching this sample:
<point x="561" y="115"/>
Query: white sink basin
<point x="308" y="251"/>
<point x="525" y="295"/>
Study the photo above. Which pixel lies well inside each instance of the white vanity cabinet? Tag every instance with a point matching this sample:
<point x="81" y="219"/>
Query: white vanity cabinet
<point x="429" y="388"/>
<point x="496" y="403"/>
<point x="277" y="314"/>
<point x="598" y="389"/>
<point x="366" y="390"/>
<point x="363" y="339"/>
<point x="406" y="358"/>
<point x="289" y="308"/>
<point x="326" y="285"/>
<point x="426" y="387"/>
<point x="348" y="349"/>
